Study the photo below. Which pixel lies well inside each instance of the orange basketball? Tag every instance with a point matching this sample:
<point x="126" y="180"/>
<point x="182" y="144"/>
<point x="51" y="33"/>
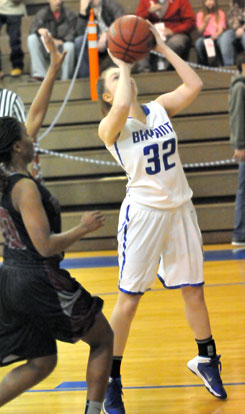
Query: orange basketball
<point x="130" y="39"/>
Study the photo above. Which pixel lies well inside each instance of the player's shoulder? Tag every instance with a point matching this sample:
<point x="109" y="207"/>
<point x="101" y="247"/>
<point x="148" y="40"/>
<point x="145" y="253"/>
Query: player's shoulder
<point x="156" y="105"/>
<point x="25" y="183"/>
<point x="102" y="126"/>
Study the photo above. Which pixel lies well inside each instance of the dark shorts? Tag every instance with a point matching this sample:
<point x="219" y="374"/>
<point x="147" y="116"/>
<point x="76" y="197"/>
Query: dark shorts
<point x="39" y="305"/>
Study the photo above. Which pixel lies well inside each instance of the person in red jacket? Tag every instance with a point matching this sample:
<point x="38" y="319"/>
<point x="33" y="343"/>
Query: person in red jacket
<point x="174" y="19"/>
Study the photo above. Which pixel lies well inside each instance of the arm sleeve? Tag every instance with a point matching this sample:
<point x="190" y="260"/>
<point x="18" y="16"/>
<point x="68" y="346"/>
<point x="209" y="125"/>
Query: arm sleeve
<point x="237" y="114"/>
<point x="143" y="8"/>
<point x="71" y="27"/>
<point x="81" y="25"/>
<point x="38" y="21"/>
<point x="199" y="19"/>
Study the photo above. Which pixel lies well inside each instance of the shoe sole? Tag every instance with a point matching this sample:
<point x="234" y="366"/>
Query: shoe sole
<point x="103" y="409"/>
<point x="208" y="387"/>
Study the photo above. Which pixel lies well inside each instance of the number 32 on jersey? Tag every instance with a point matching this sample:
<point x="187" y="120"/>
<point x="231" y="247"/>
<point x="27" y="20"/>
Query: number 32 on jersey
<point x="158" y="156"/>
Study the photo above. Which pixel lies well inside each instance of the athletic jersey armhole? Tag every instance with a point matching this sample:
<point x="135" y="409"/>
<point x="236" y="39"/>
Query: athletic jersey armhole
<point x="118" y="135"/>
<point x="15" y="178"/>
<point x="160" y="106"/>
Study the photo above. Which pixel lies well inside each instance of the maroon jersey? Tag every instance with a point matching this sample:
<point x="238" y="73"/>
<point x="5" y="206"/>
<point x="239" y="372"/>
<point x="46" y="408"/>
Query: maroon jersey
<point x="18" y="247"/>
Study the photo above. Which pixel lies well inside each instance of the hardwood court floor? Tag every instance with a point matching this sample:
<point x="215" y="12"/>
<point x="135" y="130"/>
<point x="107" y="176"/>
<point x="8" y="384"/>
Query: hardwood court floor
<point x="155" y="377"/>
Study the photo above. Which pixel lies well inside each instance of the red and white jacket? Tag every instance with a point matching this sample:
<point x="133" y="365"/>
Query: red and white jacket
<point x="179" y="15"/>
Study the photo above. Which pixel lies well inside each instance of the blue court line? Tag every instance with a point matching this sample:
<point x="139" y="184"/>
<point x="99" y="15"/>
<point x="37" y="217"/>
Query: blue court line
<point x="89" y="262"/>
<point x="163" y="289"/>
<point x="81" y="386"/>
<point x="112" y="261"/>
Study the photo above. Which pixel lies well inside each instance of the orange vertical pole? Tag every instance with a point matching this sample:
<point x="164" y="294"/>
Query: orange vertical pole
<point x="93" y="55"/>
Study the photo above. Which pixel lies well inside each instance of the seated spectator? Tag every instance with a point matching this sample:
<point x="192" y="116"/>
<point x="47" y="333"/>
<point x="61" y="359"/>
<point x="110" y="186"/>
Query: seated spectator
<point x="179" y="20"/>
<point x="11" y="13"/>
<point x="237" y="134"/>
<point x="61" y="23"/>
<point x="105" y="11"/>
<point x="211" y="23"/>
<point x="233" y="40"/>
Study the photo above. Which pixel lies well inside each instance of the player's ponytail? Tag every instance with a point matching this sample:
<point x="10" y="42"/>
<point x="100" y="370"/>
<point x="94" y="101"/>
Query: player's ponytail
<point x="104" y="106"/>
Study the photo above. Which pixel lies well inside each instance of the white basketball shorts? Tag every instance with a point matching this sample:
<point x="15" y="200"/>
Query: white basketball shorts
<point x="163" y="243"/>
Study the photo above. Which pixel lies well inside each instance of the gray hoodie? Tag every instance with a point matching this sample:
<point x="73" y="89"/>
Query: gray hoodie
<point x="237" y="111"/>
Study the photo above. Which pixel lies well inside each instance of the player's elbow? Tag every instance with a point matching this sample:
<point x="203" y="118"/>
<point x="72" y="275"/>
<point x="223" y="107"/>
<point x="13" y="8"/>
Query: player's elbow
<point x="119" y="115"/>
<point x="198" y="85"/>
<point x="45" y="250"/>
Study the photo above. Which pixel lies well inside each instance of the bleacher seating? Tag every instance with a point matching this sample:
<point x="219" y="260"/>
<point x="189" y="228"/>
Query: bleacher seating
<point x="203" y="132"/>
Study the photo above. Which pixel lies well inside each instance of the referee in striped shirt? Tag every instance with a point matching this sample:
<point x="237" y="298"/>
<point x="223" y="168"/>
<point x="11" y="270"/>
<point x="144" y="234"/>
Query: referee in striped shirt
<point x="11" y="105"/>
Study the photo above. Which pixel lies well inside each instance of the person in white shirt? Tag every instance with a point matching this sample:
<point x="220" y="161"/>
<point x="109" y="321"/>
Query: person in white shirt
<point x="157" y="218"/>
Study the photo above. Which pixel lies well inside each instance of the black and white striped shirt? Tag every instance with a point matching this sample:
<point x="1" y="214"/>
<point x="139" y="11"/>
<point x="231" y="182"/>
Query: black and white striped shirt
<point x="11" y="105"/>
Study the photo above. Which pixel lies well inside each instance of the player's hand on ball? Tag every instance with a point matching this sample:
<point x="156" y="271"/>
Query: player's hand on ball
<point x="157" y="36"/>
<point x="130" y="38"/>
<point x="92" y="220"/>
<point x="119" y="62"/>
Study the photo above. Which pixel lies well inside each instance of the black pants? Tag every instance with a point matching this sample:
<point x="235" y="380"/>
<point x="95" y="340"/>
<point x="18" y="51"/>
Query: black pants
<point x="13" y="28"/>
<point x="40" y="303"/>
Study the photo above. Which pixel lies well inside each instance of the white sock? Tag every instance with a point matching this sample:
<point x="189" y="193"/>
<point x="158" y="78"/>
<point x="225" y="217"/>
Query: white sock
<point x="93" y="407"/>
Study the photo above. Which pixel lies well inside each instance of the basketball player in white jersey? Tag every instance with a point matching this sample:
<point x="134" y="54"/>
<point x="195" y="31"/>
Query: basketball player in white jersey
<point x="157" y="218"/>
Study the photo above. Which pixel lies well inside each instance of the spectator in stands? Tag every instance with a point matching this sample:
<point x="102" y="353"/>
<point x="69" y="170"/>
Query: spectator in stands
<point x="237" y="133"/>
<point x="177" y="21"/>
<point x="106" y="11"/>
<point x="11" y="13"/>
<point x="233" y="40"/>
<point x="211" y="23"/>
<point x="61" y="23"/>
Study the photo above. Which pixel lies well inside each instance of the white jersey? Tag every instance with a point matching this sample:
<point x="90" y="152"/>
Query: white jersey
<point x="149" y="155"/>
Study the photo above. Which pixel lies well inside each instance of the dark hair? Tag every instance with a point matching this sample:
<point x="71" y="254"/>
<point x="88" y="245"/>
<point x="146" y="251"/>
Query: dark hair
<point x="215" y="9"/>
<point x="240" y="3"/>
<point x="104" y="106"/>
<point x="240" y="60"/>
<point x="10" y="132"/>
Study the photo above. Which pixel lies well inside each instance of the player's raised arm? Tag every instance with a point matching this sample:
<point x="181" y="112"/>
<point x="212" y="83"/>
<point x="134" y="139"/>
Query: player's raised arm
<point x="39" y="106"/>
<point x="192" y="84"/>
<point x="115" y="91"/>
